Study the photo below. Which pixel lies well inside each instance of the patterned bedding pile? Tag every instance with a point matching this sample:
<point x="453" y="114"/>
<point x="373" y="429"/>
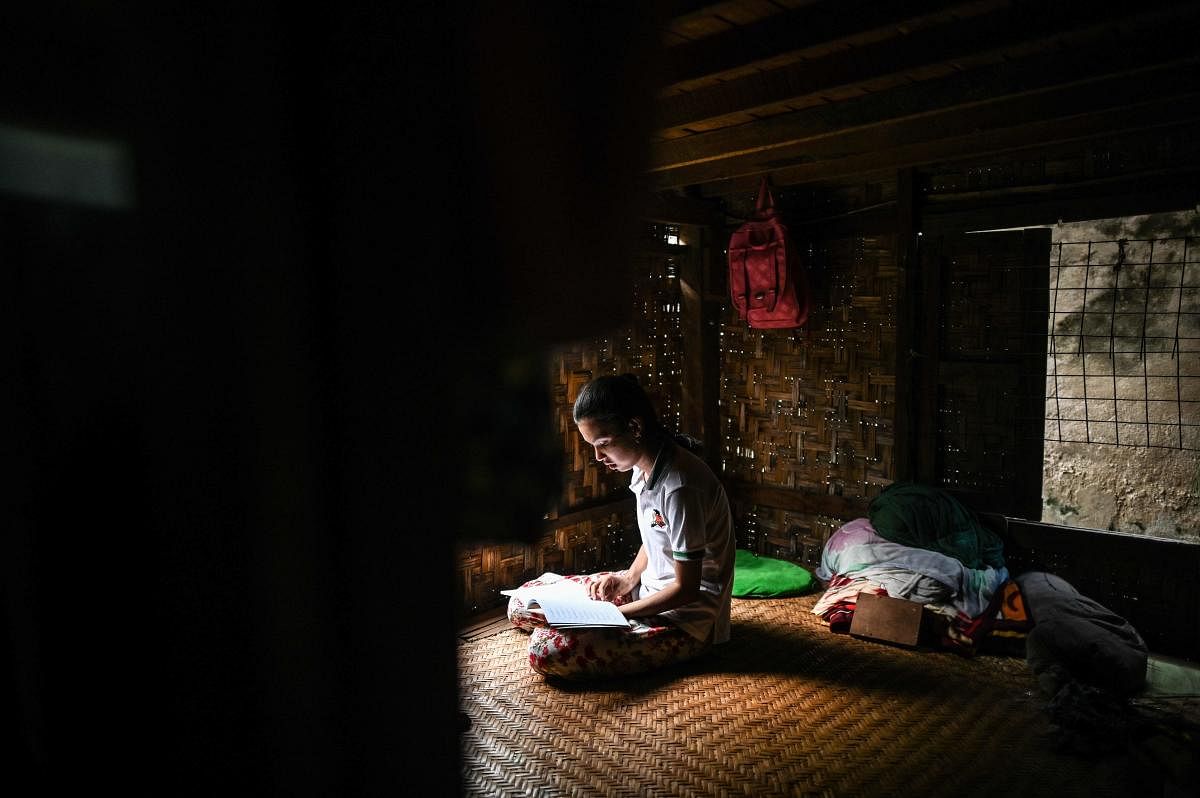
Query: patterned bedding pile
<point x="922" y="545"/>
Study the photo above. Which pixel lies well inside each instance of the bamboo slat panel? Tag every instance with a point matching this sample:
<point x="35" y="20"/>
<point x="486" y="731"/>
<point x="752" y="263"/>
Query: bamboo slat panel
<point x="650" y="346"/>
<point x="787" y="708"/>
<point x="813" y="408"/>
<point x="584" y="547"/>
<point x="783" y="534"/>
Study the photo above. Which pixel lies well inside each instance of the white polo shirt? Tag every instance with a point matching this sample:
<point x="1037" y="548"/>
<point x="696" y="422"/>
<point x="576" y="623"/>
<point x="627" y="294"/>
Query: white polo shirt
<point x="683" y="514"/>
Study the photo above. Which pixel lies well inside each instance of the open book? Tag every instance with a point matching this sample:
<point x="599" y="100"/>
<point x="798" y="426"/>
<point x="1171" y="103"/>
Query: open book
<point x="566" y="604"/>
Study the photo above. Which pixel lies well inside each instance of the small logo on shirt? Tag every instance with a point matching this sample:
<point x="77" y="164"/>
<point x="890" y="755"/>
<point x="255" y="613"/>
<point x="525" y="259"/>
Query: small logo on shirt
<point x="658" y="520"/>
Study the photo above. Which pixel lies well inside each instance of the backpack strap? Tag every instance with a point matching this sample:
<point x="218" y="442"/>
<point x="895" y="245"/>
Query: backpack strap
<point x="744" y="294"/>
<point x="764" y="205"/>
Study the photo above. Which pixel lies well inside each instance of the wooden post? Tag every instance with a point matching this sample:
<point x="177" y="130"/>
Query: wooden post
<point x="907" y="305"/>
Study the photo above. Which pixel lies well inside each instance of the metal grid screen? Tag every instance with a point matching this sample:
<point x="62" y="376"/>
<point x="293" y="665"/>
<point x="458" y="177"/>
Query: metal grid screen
<point x="1123" y="365"/>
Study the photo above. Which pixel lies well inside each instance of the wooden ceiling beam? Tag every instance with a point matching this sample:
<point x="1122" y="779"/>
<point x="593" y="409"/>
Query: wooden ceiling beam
<point x="1156" y="191"/>
<point x="692" y="20"/>
<point x="988" y="83"/>
<point x="855" y="127"/>
<point x="818" y="23"/>
<point x="1181" y="111"/>
<point x="959" y="43"/>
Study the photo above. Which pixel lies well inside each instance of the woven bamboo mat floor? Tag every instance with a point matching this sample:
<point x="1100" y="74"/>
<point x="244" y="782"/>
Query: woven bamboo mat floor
<point x="787" y="708"/>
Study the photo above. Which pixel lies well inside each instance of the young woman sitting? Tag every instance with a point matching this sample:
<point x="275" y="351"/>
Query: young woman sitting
<point x="676" y="592"/>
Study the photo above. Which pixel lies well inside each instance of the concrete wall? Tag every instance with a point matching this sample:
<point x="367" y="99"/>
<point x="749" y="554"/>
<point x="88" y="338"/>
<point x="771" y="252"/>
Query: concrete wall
<point x="1137" y="489"/>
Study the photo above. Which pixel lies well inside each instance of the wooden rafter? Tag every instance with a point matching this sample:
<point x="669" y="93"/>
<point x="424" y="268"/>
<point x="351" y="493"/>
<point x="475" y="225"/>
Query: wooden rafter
<point x="787" y="36"/>
<point x="956" y="76"/>
<point x="999" y="35"/>
<point x="1124" y="94"/>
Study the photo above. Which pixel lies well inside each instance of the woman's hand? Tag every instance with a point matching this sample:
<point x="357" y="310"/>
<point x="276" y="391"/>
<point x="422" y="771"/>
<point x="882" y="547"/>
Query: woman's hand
<point x="609" y="587"/>
<point x="683" y="589"/>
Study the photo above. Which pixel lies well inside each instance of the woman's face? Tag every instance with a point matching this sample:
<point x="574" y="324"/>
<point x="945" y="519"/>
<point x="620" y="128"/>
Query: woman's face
<point x="617" y="450"/>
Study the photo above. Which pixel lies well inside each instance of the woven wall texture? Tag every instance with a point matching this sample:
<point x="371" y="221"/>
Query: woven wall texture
<point x="814" y="408"/>
<point x="650" y="346"/>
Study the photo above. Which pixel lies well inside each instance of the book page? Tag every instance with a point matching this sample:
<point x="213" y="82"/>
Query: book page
<point x="565" y="604"/>
<point x="564" y="588"/>
<point x="571" y="611"/>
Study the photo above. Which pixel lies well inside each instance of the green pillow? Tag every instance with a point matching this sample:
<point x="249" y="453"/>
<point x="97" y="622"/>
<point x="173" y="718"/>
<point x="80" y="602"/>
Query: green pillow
<point x="761" y="577"/>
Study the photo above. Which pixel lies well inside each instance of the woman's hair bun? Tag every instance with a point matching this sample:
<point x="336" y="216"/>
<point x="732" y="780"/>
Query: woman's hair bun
<point x="631" y="377"/>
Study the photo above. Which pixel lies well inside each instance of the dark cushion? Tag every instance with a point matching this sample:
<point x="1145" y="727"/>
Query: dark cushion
<point x="1076" y="638"/>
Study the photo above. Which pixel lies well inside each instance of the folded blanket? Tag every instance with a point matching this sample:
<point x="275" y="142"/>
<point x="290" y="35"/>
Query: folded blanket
<point x="856" y="559"/>
<point x="856" y="550"/>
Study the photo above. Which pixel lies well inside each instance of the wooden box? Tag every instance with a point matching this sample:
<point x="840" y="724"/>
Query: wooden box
<point x="887" y="620"/>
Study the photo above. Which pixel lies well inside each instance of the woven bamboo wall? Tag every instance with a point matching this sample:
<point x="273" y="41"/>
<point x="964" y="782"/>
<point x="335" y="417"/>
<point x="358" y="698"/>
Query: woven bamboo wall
<point x="650" y="347"/>
<point x="813" y="408"/>
<point x="576" y="548"/>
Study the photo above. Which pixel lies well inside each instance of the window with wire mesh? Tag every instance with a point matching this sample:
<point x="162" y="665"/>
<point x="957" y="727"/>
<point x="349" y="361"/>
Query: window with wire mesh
<point x="1123" y="364"/>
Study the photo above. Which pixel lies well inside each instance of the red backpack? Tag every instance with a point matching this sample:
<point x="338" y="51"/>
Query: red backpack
<point x="767" y="280"/>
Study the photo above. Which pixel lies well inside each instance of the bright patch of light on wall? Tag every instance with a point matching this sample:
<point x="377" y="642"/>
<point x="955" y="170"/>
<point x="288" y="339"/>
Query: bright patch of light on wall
<point x="69" y="169"/>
